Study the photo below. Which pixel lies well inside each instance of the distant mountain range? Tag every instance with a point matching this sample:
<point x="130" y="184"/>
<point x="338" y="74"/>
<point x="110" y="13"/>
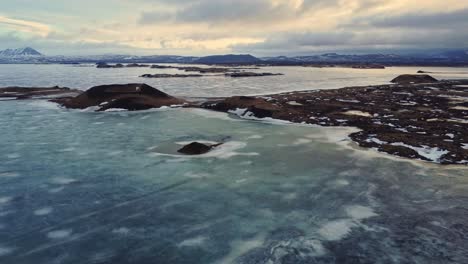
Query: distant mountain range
<point x="19" y="52"/>
<point x="434" y="58"/>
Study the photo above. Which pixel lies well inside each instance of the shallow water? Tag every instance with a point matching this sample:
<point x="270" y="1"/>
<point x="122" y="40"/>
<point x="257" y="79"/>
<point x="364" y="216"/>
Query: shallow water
<point x="84" y="187"/>
<point x="294" y="78"/>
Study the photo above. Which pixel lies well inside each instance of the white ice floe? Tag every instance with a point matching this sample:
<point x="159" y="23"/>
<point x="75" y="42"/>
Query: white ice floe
<point x="465" y="145"/>
<point x="13" y="156"/>
<point x="121" y="231"/>
<point x="5" y="250"/>
<point x="59" y="234"/>
<point x="63" y="180"/>
<point x="301" y="141"/>
<point x="56" y="190"/>
<point x="71" y="149"/>
<point x="255" y="137"/>
<point x="43" y="211"/>
<point x="341" y="182"/>
<point x="5" y="199"/>
<point x="115" y="110"/>
<point x="359" y="212"/>
<point x="337" y="229"/>
<point x="433" y="154"/>
<point x="9" y="174"/>
<point x="193" y="242"/>
<point x="194" y="175"/>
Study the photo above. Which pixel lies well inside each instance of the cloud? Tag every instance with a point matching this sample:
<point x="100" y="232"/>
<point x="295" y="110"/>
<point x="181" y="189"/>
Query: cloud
<point x="153" y="17"/>
<point x="199" y="27"/>
<point x="26" y="26"/>
<point x="224" y="11"/>
<point x="418" y="20"/>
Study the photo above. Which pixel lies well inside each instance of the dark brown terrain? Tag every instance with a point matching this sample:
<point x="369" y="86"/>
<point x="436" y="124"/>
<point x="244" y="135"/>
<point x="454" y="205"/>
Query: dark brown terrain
<point x="420" y="121"/>
<point x="136" y="96"/>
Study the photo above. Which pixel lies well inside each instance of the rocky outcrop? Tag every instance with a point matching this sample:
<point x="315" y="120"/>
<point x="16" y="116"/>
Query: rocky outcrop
<point x="135" y="96"/>
<point x="196" y="148"/>
<point x="414" y="78"/>
<point x="103" y="65"/>
<point x="259" y="107"/>
<point x="36" y="92"/>
<point x="163" y="75"/>
<point x="418" y="121"/>
<point x="136" y="65"/>
<point x="251" y="74"/>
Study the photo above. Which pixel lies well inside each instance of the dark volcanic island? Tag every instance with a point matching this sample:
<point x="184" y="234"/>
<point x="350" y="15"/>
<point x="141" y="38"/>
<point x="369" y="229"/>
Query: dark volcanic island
<point x="417" y="117"/>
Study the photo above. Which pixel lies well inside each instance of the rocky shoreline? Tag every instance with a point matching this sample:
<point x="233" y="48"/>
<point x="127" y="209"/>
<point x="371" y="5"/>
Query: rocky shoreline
<point x="426" y="121"/>
<point x="418" y="117"/>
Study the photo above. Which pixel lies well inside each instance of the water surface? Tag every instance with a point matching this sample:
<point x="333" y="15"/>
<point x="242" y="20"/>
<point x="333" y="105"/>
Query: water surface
<point x="84" y="187"/>
<point x="294" y="78"/>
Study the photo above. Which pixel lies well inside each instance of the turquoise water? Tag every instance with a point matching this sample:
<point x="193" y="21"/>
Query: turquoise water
<point x="84" y="187"/>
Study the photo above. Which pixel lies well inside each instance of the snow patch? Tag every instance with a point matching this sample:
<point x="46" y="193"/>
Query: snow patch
<point x="294" y="103"/>
<point x="357" y="113"/>
<point x="432" y="154"/>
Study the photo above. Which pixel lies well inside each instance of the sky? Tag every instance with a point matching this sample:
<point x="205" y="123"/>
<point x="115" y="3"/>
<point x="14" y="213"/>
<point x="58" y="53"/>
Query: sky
<point x="258" y="27"/>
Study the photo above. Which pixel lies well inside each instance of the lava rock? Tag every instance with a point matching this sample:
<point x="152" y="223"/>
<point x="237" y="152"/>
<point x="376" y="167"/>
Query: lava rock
<point x="170" y="75"/>
<point x="399" y="119"/>
<point x="414" y="78"/>
<point x="134" y="96"/>
<point x="196" y="148"/>
<point x="251" y="74"/>
<point x="103" y="65"/>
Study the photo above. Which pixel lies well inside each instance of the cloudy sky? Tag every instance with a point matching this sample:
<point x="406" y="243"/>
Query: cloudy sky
<point x="259" y="27"/>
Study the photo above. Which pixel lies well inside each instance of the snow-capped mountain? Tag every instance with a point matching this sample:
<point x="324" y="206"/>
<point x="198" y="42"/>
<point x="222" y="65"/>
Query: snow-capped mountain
<point x="20" y="52"/>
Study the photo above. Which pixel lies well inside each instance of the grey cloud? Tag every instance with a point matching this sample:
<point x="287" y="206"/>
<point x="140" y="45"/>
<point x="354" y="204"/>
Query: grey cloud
<point x="222" y="11"/>
<point x="437" y="20"/>
<point x="294" y="40"/>
<point x="154" y="17"/>
<point x="309" y="42"/>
